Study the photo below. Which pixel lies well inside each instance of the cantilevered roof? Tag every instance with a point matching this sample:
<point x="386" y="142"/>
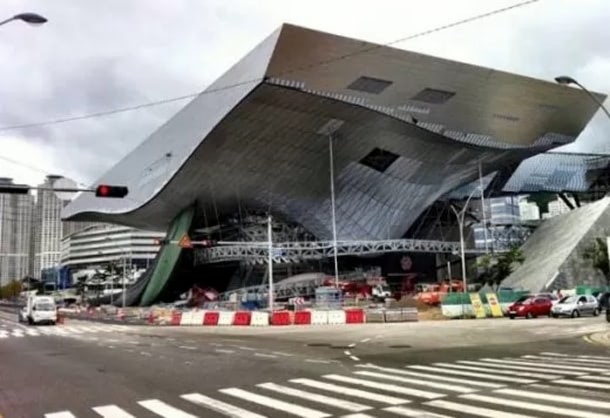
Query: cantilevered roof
<point x="407" y="128"/>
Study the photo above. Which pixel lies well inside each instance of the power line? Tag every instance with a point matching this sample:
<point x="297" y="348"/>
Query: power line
<point x="255" y="80"/>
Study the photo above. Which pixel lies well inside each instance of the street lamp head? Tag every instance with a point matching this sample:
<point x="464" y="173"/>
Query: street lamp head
<point x="565" y="80"/>
<point x="31" y="18"/>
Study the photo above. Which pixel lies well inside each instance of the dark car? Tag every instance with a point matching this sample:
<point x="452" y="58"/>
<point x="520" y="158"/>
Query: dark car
<point x="530" y="308"/>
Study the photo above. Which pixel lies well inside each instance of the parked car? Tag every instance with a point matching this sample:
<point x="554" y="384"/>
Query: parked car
<point x="576" y="305"/>
<point x="552" y="296"/>
<point x="530" y="308"/>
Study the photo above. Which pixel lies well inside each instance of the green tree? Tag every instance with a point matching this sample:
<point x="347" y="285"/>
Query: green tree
<point x="497" y="267"/>
<point x="597" y="253"/>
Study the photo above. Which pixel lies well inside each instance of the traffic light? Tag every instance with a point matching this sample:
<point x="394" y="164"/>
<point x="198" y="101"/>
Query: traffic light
<point x="105" y="190"/>
<point x="14" y="189"/>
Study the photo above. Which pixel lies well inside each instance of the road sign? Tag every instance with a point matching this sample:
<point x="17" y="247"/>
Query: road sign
<point x="185" y="242"/>
<point x="477" y="305"/>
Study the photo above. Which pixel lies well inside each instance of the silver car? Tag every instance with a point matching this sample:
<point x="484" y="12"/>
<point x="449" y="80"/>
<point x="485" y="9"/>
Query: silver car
<point x="575" y="306"/>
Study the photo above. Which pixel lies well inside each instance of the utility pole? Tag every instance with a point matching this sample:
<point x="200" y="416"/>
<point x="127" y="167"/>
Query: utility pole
<point x="269" y="235"/>
<point x="332" y="203"/>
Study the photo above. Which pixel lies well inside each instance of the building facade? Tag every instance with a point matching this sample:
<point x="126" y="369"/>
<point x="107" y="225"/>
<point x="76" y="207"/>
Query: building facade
<point x="503" y="219"/>
<point x="16" y="212"/>
<point x="98" y="246"/>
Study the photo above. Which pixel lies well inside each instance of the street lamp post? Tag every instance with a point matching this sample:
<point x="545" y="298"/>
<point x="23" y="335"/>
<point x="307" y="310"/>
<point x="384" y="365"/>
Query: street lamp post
<point x="30" y="18"/>
<point x="460" y="218"/>
<point x="566" y="81"/>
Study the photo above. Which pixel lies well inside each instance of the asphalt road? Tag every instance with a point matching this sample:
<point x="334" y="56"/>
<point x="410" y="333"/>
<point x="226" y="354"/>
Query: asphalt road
<point x="506" y="369"/>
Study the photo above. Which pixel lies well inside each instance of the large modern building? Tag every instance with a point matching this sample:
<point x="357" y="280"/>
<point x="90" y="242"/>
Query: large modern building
<point x="15" y="234"/>
<point x="47" y="228"/>
<point x="394" y="131"/>
<point x="100" y="245"/>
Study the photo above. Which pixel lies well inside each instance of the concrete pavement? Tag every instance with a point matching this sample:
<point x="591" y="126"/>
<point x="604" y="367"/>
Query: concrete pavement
<point x="184" y="372"/>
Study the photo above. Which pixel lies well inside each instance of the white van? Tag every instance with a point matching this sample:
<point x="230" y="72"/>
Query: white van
<point x="39" y="310"/>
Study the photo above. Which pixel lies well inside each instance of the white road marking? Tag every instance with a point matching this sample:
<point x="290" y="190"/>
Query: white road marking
<point x="219" y="406"/>
<point x="285" y="407"/>
<point x="311" y="360"/>
<point x="145" y="353"/>
<point x="281" y="353"/>
<point x="546" y="353"/>
<point x="112" y="411"/>
<point x="314" y="397"/>
<point x="3" y="336"/>
<point x="413" y="413"/>
<point x="63" y="414"/>
<point x="245" y="348"/>
<point x="347" y="353"/>
<point x="598" y="378"/>
<point x="570" y="361"/>
<point x="384" y="386"/>
<point x="420" y="382"/>
<point x="525" y="368"/>
<point x="32" y="332"/>
<point x="265" y="355"/>
<point x="549" y="409"/>
<point x="365" y="340"/>
<point x="164" y="410"/>
<point x="187" y="347"/>
<point x="595" y="357"/>
<point x="433" y="377"/>
<point x="356" y="393"/>
<point x="591" y="385"/>
<point x="474" y="410"/>
<point x="357" y="416"/>
<point x="352" y="345"/>
<point x="546" y="365"/>
<point x="489" y="376"/>
<point x="506" y="372"/>
<point x="354" y="358"/>
<point x="220" y="350"/>
<point x="554" y="398"/>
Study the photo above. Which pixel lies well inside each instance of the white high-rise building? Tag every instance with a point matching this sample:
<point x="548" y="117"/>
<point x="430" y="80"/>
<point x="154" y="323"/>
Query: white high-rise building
<point x="15" y="234"/>
<point x="47" y="228"/>
<point x="558" y="207"/>
<point x="529" y="210"/>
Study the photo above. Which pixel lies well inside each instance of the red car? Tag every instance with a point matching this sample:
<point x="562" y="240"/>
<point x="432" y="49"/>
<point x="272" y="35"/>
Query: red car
<point x="531" y="308"/>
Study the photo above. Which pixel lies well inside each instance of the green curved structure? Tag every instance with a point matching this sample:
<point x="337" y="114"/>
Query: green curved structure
<point x="167" y="258"/>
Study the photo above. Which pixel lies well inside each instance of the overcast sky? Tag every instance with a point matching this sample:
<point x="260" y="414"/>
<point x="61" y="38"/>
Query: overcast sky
<point x="97" y="55"/>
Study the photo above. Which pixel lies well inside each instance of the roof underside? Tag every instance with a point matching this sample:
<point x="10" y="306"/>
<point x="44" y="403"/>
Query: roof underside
<point x="403" y="126"/>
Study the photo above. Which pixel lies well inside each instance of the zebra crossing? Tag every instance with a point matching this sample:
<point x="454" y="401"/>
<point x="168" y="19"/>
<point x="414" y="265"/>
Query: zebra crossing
<point x="12" y="331"/>
<point x="545" y="384"/>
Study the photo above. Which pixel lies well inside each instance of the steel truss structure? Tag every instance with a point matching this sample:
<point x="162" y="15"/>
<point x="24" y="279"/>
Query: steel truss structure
<point x="291" y="252"/>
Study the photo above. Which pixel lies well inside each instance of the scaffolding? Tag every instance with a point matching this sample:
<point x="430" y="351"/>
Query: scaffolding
<point x="293" y="252"/>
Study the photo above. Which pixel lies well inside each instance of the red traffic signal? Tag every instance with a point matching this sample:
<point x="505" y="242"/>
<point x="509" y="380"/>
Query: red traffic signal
<point x="105" y="190"/>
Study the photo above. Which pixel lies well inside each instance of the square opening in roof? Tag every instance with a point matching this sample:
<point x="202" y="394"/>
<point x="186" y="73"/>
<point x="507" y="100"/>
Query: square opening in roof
<point x="370" y="85"/>
<point x="434" y="96"/>
<point x="379" y="159"/>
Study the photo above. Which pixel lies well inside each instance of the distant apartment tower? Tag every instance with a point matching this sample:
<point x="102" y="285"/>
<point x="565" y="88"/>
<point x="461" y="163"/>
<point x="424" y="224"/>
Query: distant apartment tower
<point x="47" y="229"/>
<point x="502" y="216"/>
<point x="529" y="210"/>
<point x="558" y="207"/>
<point x="15" y="234"/>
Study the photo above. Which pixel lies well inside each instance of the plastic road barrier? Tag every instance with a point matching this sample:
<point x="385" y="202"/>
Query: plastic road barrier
<point x="197" y="317"/>
<point x="210" y="318"/>
<point x="477" y="306"/>
<point x="176" y="318"/>
<point x="302" y="318"/>
<point x="336" y="317"/>
<point x="319" y="317"/>
<point x="280" y="318"/>
<point x="494" y="305"/>
<point x="186" y="318"/>
<point x="241" y="318"/>
<point x="259" y="318"/>
<point x="225" y="317"/>
<point x="354" y="316"/>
